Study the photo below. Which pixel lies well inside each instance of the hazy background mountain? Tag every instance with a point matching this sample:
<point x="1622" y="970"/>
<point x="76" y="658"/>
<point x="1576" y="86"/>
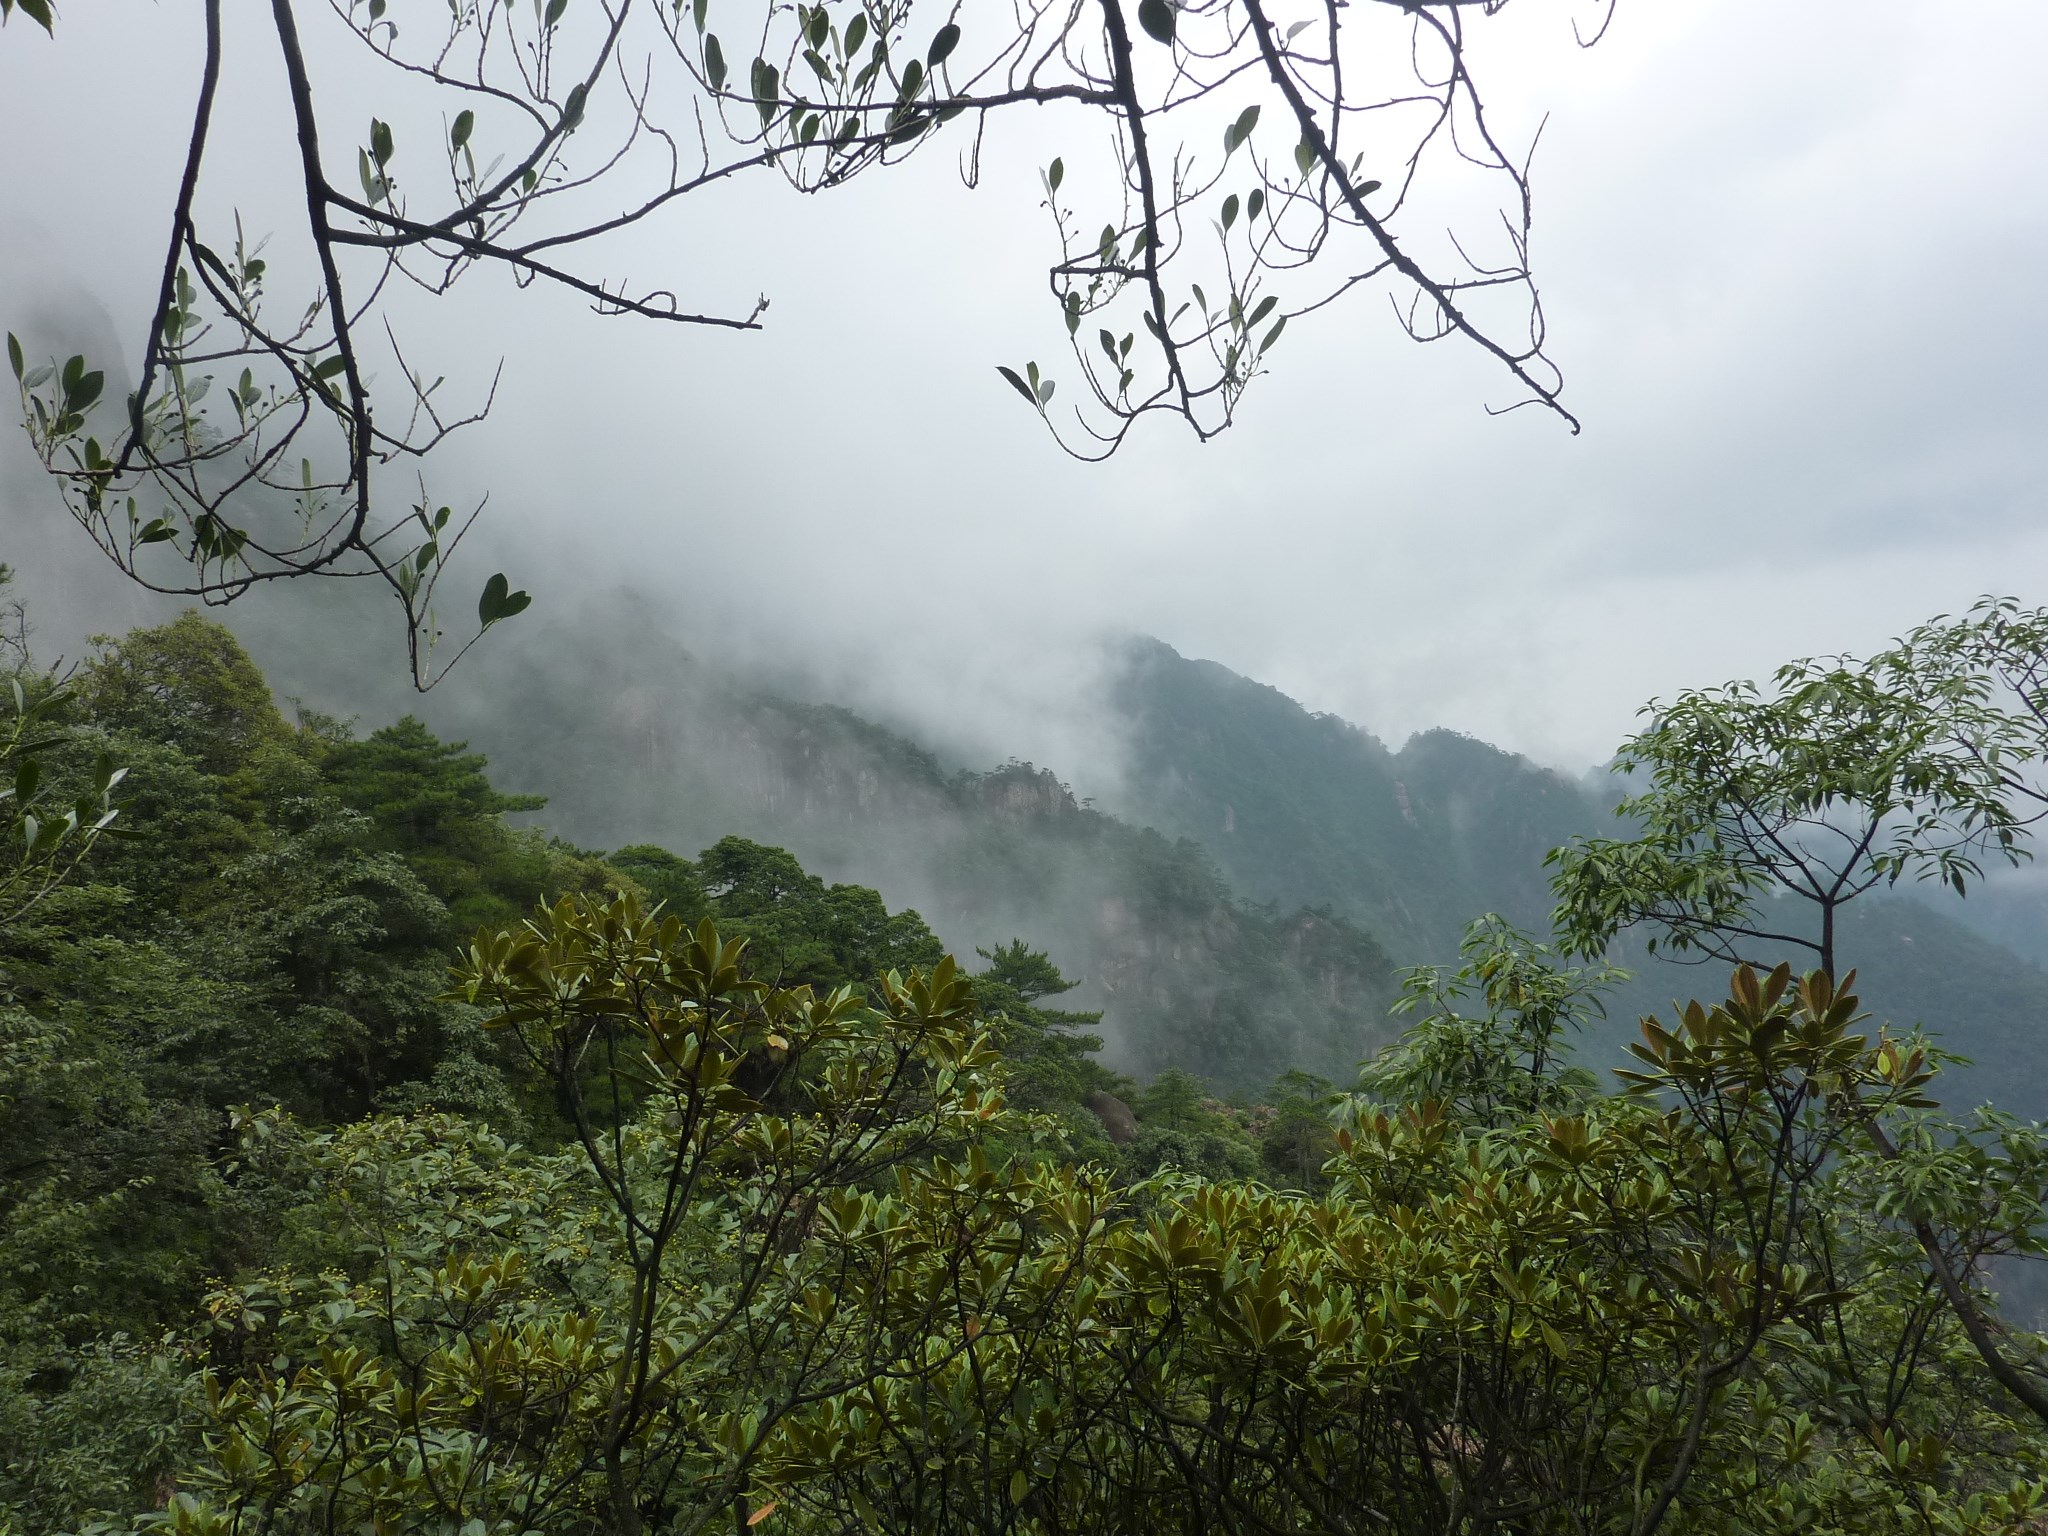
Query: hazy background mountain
<point x="1237" y="879"/>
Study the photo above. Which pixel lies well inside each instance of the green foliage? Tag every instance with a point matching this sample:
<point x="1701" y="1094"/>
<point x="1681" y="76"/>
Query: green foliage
<point x="598" y="1329"/>
<point x="188" y="685"/>
<point x="430" y="799"/>
<point x="1296" y="1140"/>
<point x="1765" y="814"/>
<point x="1048" y="1053"/>
<point x="714" y="1196"/>
<point x="1182" y="1126"/>
<point x="1027" y="972"/>
<point x="668" y="878"/>
<point x="827" y="935"/>
<point x="1511" y="1061"/>
<point x="42" y="838"/>
<point x="1669" y="1310"/>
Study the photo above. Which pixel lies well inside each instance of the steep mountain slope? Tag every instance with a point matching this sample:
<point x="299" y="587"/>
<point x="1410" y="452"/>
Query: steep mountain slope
<point x="1301" y="807"/>
<point x="1297" y="862"/>
<point x="640" y="742"/>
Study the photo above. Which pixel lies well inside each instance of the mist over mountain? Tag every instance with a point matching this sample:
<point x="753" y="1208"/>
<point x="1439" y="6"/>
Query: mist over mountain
<point x="1237" y="882"/>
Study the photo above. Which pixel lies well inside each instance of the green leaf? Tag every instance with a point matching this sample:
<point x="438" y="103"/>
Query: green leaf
<point x="554" y="13"/>
<point x="1156" y="17"/>
<point x="1017" y="383"/>
<point x="1020" y="1486"/>
<point x="1262" y="309"/>
<point x="1274" y="334"/>
<point x="81" y="392"/>
<point x="1054" y="175"/>
<point x="465" y="124"/>
<point x="714" y="62"/>
<point x="572" y="109"/>
<point x="38" y="11"/>
<point x="1241" y="130"/>
<point x="499" y="601"/>
<point x="943" y="44"/>
<point x="767" y="82"/>
<point x="698" y="11"/>
<point x="856" y="33"/>
<point x="14" y="357"/>
<point x="1305" y="157"/>
<point x="327" y="368"/>
<point x="1230" y="210"/>
<point x="913" y="80"/>
<point x="380" y="143"/>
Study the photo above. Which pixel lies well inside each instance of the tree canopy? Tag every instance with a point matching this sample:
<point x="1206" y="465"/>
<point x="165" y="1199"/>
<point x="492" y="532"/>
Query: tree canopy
<point x="701" y="1194"/>
<point x="1765" y="813"/>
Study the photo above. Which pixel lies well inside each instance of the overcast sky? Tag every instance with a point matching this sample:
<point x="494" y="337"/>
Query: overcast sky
<point x="1792" y="256"/>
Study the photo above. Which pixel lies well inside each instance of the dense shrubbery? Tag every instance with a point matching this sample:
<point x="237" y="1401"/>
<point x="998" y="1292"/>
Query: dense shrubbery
<point x="706" y="1195"/>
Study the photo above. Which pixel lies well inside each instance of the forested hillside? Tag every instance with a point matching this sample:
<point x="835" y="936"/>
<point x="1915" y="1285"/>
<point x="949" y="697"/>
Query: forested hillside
<point x="343" y="1187"/>
<point x="274" y="930"/>
<point x="648" y="742"/>
<point x="1306" y="808"/>
<point x="1301" y="807"/>
<point x="1247" y="889"/>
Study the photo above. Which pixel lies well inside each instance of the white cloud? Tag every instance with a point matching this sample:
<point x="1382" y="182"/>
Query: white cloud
<point x="1791" y="255"/>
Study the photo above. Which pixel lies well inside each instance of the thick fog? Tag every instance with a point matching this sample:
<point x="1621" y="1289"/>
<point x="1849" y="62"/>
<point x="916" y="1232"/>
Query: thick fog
<point x="1790" y="257"/>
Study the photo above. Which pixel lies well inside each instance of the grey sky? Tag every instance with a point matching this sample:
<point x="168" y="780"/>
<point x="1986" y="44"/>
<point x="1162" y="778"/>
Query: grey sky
<point x="1791" y="256"/>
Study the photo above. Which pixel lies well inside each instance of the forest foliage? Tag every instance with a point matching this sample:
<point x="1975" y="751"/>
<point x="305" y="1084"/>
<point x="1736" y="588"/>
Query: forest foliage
<point x="704" y="1194"/>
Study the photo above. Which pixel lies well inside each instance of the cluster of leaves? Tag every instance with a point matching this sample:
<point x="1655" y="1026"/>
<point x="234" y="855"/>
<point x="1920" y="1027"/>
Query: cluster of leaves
<point x="710" y="1195"/>
<point x="256" y="938"/>
<point x="789" y="1282"/>
<point x="276" y="933"/>
<point x="1766" y="813"/>
<point x="43" y="836"/>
